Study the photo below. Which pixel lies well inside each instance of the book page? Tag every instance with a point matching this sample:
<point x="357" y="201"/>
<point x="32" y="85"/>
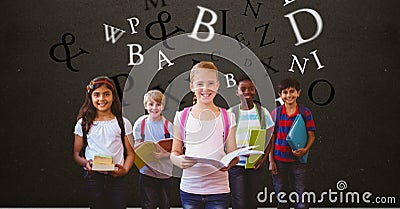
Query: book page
<point x="224" y="162"/>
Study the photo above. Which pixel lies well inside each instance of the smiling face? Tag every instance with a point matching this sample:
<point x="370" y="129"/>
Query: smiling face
<point x="205" y="85"/>
<point x="289" y="95"/>
<point x="102" y="99"/>
<point x="246" y="90"/>
<point x="154" y="108"/>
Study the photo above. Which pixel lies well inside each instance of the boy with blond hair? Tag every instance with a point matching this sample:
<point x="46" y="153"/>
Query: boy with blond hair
<point x="155" y="177"/>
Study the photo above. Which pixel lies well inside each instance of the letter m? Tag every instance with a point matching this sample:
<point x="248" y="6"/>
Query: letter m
<point x="154" y="3"/>
<point x="311" y="197"/>
<point x="112" y="33"/>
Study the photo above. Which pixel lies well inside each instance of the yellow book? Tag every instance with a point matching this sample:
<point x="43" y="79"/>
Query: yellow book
<point x="103" y="163"/>
<point x="144" y="151"/>
<point x="257" y="138"/>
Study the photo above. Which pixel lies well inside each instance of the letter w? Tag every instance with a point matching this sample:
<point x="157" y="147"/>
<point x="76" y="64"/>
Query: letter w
<point x="112" y="33"/>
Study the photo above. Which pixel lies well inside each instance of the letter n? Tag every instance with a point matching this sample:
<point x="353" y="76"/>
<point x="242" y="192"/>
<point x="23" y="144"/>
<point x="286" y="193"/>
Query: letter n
<point x="302" y="68"/>
<point x="252" y="9"/>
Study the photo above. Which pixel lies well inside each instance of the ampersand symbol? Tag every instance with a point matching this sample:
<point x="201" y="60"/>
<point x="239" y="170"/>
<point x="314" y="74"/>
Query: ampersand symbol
<point x="164" y="34"/>
<point x="68" y="56"/>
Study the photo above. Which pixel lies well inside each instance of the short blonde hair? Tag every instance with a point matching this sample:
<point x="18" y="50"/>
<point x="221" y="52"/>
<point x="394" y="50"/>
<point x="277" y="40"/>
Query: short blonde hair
<point x="155" y="95"/>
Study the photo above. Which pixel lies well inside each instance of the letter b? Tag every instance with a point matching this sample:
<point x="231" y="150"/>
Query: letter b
<point x="199" y="22"/>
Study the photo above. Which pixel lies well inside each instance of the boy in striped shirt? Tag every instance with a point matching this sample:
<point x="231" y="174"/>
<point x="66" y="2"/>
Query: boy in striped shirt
<point x="288" y="174"/>
<point x="245" y="183"/>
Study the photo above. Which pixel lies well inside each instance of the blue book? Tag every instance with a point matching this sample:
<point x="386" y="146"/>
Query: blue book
<point x="297" y="136"/>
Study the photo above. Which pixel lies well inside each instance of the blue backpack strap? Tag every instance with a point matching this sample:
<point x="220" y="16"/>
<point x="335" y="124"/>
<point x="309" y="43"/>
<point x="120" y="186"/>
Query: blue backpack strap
<point x="302" y="111"/>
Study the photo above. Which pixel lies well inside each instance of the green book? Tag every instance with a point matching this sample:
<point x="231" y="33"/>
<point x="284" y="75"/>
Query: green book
<point x="257" y="138"/>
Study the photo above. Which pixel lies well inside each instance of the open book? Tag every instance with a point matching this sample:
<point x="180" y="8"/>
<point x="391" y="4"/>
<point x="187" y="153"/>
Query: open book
<point x="103" y="163"/>
<point x="144" y="151"/>
<point x="224" y="162"/>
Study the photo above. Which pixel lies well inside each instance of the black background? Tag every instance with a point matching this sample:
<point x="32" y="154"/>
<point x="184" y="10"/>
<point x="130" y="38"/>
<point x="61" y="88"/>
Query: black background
<point x="357" y="135"/>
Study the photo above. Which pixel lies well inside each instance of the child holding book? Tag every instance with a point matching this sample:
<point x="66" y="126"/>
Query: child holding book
<point x="284" y="162"/>
<point x="101" y="130"/>
<point x="245" y="183"/>
<point x="203" y="133"/>
<point x="155" y="176"/>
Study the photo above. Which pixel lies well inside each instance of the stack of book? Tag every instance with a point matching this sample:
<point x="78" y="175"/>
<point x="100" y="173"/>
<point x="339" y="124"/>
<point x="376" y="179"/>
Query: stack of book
<point x="103" y="163"/>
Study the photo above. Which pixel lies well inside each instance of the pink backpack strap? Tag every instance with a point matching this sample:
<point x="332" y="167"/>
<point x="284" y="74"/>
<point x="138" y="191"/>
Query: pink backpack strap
<point x="226" y="123"/>
<point x="184" y="118"/>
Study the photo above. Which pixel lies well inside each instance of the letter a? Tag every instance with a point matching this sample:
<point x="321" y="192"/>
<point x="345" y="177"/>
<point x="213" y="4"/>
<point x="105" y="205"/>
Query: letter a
<point x="110" y="35"/>
<point x="199" y="22"/>
<point x="300" y="39"/>
<point x="161" y="54"/>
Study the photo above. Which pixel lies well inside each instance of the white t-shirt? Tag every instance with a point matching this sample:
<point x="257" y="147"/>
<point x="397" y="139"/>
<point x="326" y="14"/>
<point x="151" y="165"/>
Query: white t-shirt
<point x="154" y="131"/>
<point x="104" y="138"/>
<point x="204" y="139"/>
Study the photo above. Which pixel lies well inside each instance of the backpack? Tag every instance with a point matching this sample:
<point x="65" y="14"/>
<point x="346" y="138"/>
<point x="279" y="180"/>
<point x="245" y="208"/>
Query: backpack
<point x="278" y="112"/>
<point x="184" y="118"/>
<point x="143" y="126"/>
<point x="260" y="112"/>
<point x="121" y="126"/>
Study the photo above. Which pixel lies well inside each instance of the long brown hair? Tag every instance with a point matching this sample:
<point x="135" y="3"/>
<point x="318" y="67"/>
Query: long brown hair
<point x="88" y="112"/>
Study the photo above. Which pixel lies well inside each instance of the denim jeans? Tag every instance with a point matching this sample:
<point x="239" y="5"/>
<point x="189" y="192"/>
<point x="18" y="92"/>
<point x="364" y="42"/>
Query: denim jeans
<point x="154" y="192"/>
<point x="244" y="184"/>
<point x="211" y="201"/>
<point x="105" y="191"/>
<point x="290" y="177"/>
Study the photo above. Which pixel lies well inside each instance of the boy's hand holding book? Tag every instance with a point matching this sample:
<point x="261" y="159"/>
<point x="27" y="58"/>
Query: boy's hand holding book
<point x="233" y="162"/>
<point x="299" y="152"/>
<point x="260" y="162"/>
<point x="160" y="153"/>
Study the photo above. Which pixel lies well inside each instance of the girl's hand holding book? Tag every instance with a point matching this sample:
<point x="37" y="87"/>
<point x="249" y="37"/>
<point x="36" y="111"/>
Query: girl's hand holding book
<point x="121" y="171"/>
<point x="88" y="166"/>
<point x="181" y="162"/>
